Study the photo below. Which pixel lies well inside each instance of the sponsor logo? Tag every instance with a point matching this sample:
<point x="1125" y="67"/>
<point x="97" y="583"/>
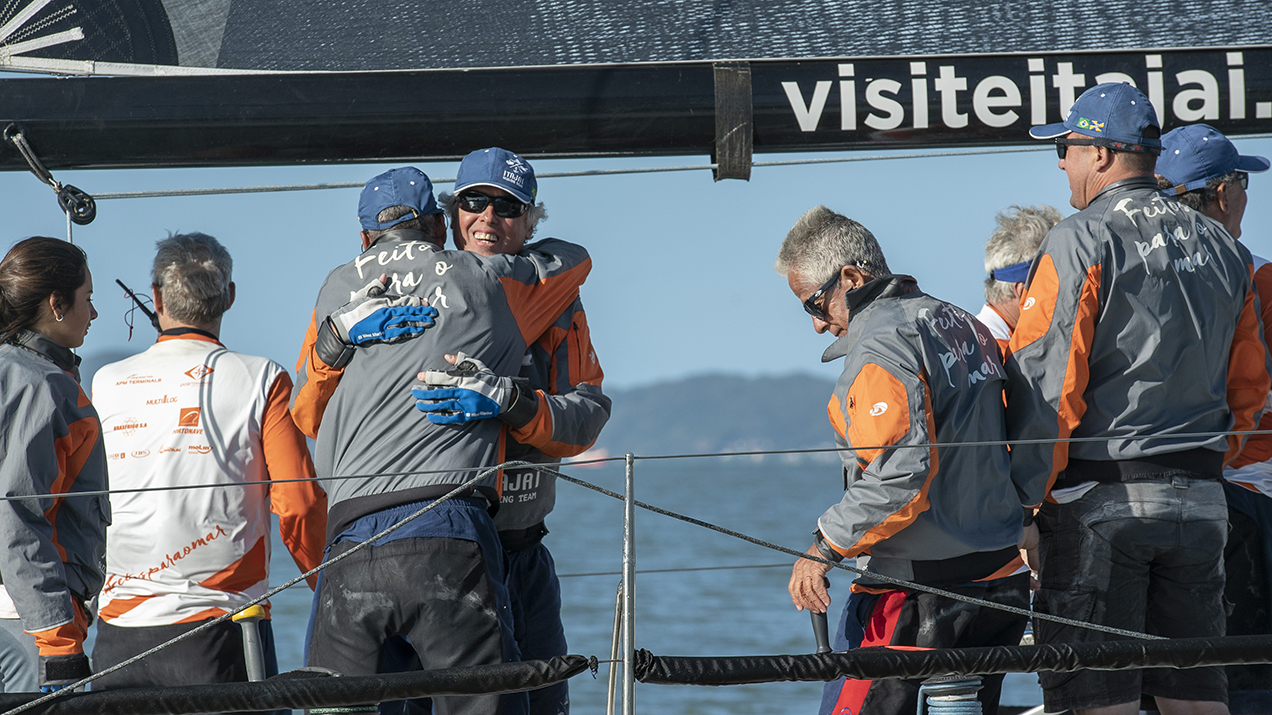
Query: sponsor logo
<point x="199" y="449"/>
<point x="141" y="454"/>
<point x="167" y="450"/>
<point x="115" y="455"/>
<point x="189" y="417"/>
<point x="129" y="427"/>
<point x="878" y="408"/>
<point x="135" y="379"/>
<point x="165" y="400"/>
<point x="1029" y="303"/>
<point x="199" y="372"/>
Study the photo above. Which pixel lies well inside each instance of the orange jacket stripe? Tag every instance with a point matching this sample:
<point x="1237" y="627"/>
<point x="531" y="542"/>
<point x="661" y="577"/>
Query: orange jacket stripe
<point x="119" y="606"/>
<point x="835" y="411"/>
<point x="301" y="506"/>
<point x="883" y="383"/>
<point x="1012" y="567"/>
<point x="242" y="574"/>
<point x="320" y="384"/>
<point x="66" y="639"/>
<point x="1077" y="373"/>
<point x="1248" y="378"/>
<point x="73" y="451"/>
<point x="536" y="307"/>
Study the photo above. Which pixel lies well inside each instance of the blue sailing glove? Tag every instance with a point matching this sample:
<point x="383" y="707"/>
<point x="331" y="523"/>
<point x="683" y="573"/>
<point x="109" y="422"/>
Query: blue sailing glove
<point x="467" y="392"/>
<point x="369" y="317"/>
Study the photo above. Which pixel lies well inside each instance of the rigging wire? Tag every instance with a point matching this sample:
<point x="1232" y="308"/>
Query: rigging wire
<point x="909" y="585"/>
<point x="168" y="193"/>
<point x="601" y="460"/>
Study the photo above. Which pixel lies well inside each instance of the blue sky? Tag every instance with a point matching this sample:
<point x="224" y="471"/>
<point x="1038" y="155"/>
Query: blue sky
<point x="682" y="280"/>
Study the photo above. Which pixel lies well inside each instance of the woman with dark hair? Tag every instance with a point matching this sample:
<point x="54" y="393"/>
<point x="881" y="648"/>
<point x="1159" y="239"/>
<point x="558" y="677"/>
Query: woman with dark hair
<point x="52" y="548"/>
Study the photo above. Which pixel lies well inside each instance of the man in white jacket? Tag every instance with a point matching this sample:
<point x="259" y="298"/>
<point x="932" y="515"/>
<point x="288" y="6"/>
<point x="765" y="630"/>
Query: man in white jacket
<point x="188" y="411"/>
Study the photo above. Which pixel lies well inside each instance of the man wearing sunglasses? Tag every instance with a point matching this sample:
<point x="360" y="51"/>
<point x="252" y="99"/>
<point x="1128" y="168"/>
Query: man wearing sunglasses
<point x="493" y="213"/>
<point x="1206" y="173"/>
<point x="917" y="371"/>
<point x="1139" y="334"/>
<point x="437" y="585"/>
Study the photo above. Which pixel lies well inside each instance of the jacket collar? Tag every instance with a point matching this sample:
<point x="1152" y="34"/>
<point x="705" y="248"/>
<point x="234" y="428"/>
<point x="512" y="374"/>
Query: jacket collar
<point x="402" y="235"/>
<point x="53" y="351"/>
<point x="1135" y="182"/>
<point x="859" y="299"/>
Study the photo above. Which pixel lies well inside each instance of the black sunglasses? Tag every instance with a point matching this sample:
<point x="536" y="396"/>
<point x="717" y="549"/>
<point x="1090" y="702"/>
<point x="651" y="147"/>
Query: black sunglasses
<point x="810" y="304"/>
<point x="475" y="203"/>
<point x="1243" y="178"/>
<point x="1062" y="145"/>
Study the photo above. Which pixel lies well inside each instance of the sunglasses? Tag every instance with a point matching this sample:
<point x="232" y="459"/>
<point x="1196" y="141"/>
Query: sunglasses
<point x="1242" y="178"/>
<point x="475" y="203"/>
<point x="1062" y="145"/>
<point x="812" y="307"/>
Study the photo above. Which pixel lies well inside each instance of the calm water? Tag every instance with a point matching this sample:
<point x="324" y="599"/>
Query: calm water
<point x="733" y="612"/>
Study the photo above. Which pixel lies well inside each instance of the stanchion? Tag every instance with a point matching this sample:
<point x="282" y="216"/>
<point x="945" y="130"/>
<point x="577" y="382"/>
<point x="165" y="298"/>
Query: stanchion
<point x="611" y="692"/>
<point x="629" y="589"/>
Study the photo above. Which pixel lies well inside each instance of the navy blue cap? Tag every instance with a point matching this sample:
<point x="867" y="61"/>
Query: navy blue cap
<point x="403" y="186"/>
<point x="501" y="169"/>
<point x="1195" y="154"/>
<point x="1115" y="112"/>
<point x="1015" y="273"/>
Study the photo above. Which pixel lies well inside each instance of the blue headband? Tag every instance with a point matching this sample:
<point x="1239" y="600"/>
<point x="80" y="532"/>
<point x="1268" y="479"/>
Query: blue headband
<point x="1015" y="273"/>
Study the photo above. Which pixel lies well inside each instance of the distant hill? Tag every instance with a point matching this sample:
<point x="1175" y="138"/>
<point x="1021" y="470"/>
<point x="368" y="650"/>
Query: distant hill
<point x="721" y="413"/>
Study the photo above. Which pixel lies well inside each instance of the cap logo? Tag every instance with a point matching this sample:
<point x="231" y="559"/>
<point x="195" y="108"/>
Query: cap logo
<point x="513" y="178"/>
<point x="517" y="165"/>
<point x="1084" y="123"/>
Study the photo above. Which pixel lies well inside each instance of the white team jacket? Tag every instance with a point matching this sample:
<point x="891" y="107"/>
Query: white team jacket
<point x="188" y="411"/>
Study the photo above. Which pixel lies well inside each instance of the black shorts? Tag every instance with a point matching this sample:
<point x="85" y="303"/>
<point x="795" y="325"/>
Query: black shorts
<point x="213" y="656"/>
<point x="1143" y="556"/>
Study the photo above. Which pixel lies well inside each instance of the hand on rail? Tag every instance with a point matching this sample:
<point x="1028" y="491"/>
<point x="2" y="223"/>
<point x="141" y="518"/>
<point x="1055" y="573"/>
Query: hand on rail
<point x="808" y="584"/>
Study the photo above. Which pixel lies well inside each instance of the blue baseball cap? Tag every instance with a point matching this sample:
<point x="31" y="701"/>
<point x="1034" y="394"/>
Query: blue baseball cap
<point x="403" y="186"/>
<point x="501" y="169"/>
<point x="1195" y="154"/>
<point x="1114" y="112"/>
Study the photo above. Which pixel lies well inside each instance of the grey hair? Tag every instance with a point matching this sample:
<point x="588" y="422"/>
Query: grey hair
<point x="1202" y="199"/>
<point x="821" y="242"/>
<point x="194" y="272"/>
<point x="1019" y="234"/>
<point x="419" y="223"/>
<point x="533" y="215"/>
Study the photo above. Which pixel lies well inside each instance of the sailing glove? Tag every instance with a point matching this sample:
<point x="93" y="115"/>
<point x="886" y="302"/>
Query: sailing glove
<point x="369" y="317"/>
<point x="58" y="671"/>
<point x="467" y="392"/>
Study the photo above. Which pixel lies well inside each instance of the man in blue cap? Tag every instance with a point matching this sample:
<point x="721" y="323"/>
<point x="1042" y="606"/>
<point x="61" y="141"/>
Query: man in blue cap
<point x="1139" y="334"/>
<point x="433" y="593"/>
<point x="1206" y="173"/>
<point x="493" y="213"/>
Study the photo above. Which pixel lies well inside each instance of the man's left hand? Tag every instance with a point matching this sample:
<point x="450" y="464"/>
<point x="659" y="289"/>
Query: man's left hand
<point x="808" y="584"/>
<point x="468" y="392"/>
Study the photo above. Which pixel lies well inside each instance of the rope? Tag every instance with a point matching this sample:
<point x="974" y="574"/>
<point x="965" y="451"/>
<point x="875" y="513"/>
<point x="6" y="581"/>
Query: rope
<point x="463" y="488"/>
<point x="909" y="585"/>
<point x="601" y="460"/>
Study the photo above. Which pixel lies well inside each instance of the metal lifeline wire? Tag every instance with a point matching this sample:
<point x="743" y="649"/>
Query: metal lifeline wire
<point x="457" y="491"/>
<point x="602" y="460"/>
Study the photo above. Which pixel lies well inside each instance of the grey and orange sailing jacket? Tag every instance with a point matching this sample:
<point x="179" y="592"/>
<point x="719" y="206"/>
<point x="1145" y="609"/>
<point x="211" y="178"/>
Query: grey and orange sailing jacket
<point x="563" y="370"/>
<point x="1139" y="325"/>
<point x="52" y="550"/>
<point x="919" y="371"/>
<point x="363" y="416"/>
